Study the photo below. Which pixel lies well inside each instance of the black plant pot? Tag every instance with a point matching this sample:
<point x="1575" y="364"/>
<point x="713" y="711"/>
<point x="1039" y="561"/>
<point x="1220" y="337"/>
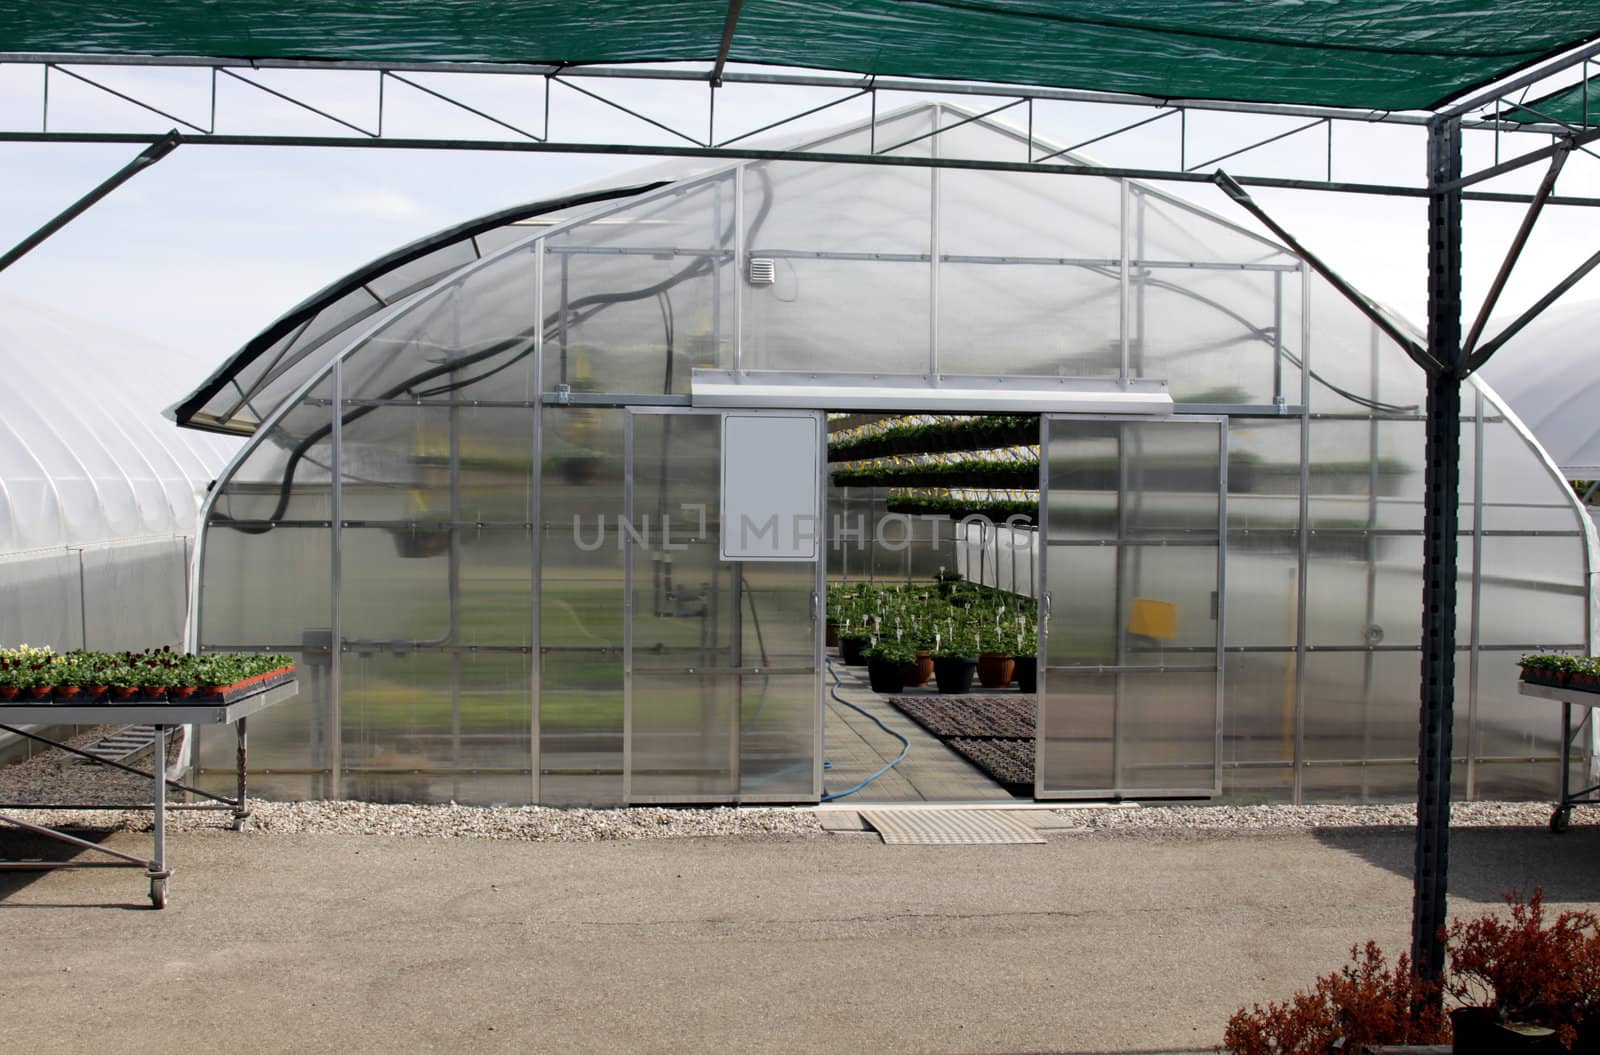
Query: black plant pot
<point x="887" y="676"/>
<point x="1479" y="1031"/>
<point x="953" y="674"/>
<point x="1028" y="674"/>
<point x="850" y="649"/>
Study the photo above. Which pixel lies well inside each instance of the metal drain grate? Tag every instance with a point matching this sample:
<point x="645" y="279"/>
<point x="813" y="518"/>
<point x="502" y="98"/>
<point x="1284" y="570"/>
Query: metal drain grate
<point x="950" y="827"/>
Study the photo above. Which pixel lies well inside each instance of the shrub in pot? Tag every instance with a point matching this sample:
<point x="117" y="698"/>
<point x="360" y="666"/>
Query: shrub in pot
<point x="886" y="663"/>
<point x="853" y="645"/>
<point x="955" y="661"/>
<point x="1027" y="662"/>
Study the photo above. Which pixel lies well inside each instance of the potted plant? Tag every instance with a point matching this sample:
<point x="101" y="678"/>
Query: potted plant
<point x="1525" y="986"/>
<point x="1547" y="668"/>
<point x="1027" y="662"/>
<point x="955" y="661"/>
<point x="853" y="642"/>
<point x="995" y="668"/>
<point x="886" y="663"/>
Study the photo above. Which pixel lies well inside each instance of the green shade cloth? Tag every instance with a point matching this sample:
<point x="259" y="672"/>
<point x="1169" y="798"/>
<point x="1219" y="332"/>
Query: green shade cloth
<point x="1578" y="105"/>
<point x="1381" y="54"/>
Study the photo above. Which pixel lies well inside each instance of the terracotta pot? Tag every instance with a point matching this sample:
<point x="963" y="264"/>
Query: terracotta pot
<point x="181" y="692"/>
<point x="8" y="692"/>
<point x="123" y="692"/>
<point x="995" y="669"/>
<point x="40" y="692"/>
<point x="919" y="670"/>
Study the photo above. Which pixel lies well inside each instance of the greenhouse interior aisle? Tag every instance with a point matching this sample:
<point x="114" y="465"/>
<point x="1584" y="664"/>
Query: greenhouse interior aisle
<point x="855" y="748"/>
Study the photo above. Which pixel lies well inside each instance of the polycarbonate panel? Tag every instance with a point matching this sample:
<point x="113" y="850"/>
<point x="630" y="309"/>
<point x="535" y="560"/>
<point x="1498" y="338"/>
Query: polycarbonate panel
<point x="778" y="736"/>
<point x="1135" y="587"/>
<point x="1166" y="731"/>
<point x="1533" y="592"/>
<point x="1520" y="491"/>
<point x="723" y="652"/>
<point x="820" y="314"/>
<point x="425" y="270"/>
<point x="822" y="209"/>
<point x="1023" y="215"/>
<point x="264" y="590"/>
<point x="1368" y="590"/>
<point x="684" y="737"/>
<point x="1211" y="333"/>
<point x="436" y="726"/>
<point x="1258" y="716"/>
<point x="581" y="605"/>
<point x="472" y="338"/>
<point x="1355" y="367"/>
<point x="1077" y="731"/>
<point x="1005" y="318"/>
<point x="634" y="300"/>
<point x="1511" y="730"/>
<point x="424" y="468"/>
<point x="1263" y="596"/>
<point x="1363" y="705"/>
<point x="1369" y="474"/>
<point x="1166" y="229"/>
<point x="291" y="744"/>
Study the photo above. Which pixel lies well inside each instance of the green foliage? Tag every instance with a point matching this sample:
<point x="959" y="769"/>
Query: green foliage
<point x="26" y="668"/>
<point x="988" y="432"/>
<point x="949" y="617"/>
<point x="977" y="473"/>
<point x="893" y="650"/>
<point x="997" y="510"/>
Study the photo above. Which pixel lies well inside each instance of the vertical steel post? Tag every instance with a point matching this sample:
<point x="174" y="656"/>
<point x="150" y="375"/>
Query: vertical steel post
<point x="1440" y="515"/>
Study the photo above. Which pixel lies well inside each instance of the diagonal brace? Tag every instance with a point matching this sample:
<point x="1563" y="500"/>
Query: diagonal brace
<point x="727" y="42"/>
<point x="1410" y="344"/>
<point x="1481" y="356"/>
<point x="1514" y="252"/>
<point x="147" y="157"/>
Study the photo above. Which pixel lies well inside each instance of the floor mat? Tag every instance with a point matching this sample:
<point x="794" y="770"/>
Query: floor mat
<point x="950" y="827"/>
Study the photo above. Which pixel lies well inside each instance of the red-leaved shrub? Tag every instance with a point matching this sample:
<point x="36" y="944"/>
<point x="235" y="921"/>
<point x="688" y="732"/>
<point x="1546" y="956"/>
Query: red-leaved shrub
<point x="1363" y="1003"/>
<point x="1525" y="971"/>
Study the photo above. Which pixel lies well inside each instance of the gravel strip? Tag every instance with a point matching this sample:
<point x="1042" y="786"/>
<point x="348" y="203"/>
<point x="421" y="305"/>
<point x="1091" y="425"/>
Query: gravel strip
<point x="512" y="823"/>
<point x="1306" y="818"/>
<point x="56" y="776"/>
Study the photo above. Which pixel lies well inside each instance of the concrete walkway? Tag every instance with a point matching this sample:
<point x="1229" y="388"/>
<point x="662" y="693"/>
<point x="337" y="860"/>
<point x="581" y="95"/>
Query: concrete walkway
<point x="831" y="944"/>
<point x="855" y="749"/>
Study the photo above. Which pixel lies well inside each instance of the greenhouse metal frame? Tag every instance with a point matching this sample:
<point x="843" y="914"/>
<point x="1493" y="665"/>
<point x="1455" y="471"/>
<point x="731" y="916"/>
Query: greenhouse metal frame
<point x="1299" y="526"/>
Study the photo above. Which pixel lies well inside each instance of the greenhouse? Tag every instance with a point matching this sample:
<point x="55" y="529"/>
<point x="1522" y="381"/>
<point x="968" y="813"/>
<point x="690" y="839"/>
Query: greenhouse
<point x="546" y="508"/>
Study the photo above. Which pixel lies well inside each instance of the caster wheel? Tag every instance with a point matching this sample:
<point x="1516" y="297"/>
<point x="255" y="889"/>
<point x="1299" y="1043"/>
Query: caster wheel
<point x="1561" y="819"/>
<point x="158" y="893"/>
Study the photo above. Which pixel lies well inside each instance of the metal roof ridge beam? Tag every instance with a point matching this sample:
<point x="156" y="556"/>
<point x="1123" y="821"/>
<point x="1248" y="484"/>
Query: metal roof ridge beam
<point x="1379" y="318"/>
<point x="1564" y="143"/>
<point x="1501" y="89"/>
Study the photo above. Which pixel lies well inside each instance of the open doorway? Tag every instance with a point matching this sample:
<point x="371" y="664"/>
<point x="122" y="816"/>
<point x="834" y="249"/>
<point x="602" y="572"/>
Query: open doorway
<point x="932" y="611"/>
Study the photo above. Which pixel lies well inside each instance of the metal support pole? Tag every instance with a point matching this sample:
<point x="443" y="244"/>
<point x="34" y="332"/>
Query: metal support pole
<point x="241" y="812"/>
<point x="147" y="157"/>
<point x="1440" y="515"/>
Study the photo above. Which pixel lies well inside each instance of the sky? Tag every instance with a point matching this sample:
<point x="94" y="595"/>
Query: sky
<point x="212" y="244"/>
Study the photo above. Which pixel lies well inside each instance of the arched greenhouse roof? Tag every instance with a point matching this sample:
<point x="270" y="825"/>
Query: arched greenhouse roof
<point x="1547" y="373"/>
<point x="85" y="456"/>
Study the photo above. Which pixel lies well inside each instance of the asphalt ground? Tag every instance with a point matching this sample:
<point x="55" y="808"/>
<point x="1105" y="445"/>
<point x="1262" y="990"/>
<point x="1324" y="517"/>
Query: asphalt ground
<point x="1092" y="942"/>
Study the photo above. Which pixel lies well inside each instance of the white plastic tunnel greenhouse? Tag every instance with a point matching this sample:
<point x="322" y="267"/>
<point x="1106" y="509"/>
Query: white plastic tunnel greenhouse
<point x="499" y="486"/>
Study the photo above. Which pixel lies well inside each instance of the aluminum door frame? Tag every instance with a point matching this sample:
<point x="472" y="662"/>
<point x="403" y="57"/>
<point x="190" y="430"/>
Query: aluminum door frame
<point x="818" y="595"/>
<point x="1044" y="606"/>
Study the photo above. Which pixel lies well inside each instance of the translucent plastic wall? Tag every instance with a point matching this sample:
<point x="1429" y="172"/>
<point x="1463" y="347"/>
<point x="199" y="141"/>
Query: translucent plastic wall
<point x="438" y="524"/>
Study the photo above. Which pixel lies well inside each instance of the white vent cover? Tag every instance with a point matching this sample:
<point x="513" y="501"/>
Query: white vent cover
<point x="763" y="271"/>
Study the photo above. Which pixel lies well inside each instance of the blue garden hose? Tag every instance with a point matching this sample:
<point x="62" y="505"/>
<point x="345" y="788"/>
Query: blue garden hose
<point x="904" y="750"/>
